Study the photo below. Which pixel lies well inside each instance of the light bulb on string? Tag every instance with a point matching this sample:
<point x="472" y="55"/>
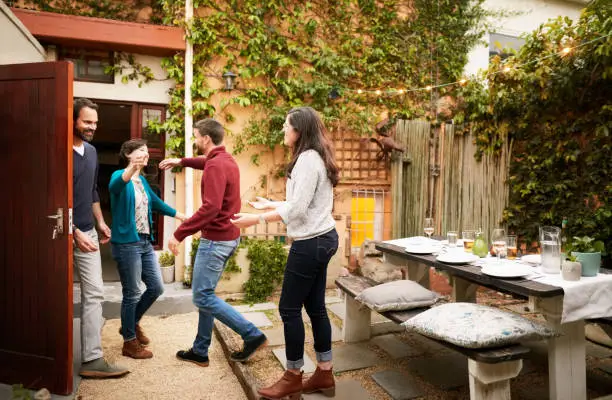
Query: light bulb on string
<point x="463" y="81"/>
<point x="359" y="91"/>
<point x="401" y="91"/>
<point x="507" y="69"/>
<point x="566" y="50"/>
<point x="378" y="92"/>
<point x="428" y="88"/>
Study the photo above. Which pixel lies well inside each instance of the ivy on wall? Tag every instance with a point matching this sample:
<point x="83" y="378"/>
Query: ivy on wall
<point x="557" y="111"/>
<point x="292" y="53"/>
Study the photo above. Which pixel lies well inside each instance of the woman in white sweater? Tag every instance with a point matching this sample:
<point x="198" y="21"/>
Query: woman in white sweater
<point x="312" y="173"/>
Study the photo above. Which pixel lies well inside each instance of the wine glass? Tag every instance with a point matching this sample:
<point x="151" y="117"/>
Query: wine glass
<point x="429" y="227"/>
<point x="498" y="238"/>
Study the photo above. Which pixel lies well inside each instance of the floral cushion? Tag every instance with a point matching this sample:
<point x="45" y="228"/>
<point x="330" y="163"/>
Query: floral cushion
<point x="396" y="295"/>
<point x="476" y="326"/>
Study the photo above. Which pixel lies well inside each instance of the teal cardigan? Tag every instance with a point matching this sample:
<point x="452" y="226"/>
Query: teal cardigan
<point x="123" y="208"/>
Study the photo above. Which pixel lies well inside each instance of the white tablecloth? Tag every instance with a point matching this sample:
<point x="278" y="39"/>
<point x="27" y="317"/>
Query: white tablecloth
<point x="590" y="297"/>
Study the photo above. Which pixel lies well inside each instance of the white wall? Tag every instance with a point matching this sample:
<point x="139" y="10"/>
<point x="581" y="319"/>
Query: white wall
<point x="155" y="92"/>
<point x="17" y="45"/>
<point x="533" y="14"/>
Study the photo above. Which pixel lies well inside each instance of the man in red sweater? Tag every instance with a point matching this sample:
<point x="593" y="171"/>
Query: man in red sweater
<point x="220" y="201"/>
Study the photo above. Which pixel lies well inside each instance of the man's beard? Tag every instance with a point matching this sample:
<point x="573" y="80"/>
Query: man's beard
<point x="86" y="134"/>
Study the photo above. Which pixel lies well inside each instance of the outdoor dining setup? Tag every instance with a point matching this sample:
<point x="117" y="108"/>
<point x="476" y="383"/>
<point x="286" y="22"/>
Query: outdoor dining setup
<point x="566" y="293"/>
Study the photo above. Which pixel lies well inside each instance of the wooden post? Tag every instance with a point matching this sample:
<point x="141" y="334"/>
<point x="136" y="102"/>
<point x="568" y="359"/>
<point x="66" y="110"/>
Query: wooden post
<point x="356" y="324"/>
<point x="492" y="381"/>
<point x="566" y="353"/>
<point x="463" y="291"/>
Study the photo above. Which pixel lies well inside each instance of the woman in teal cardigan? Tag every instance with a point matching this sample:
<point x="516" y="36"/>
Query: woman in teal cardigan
<point x="132" y="206"/>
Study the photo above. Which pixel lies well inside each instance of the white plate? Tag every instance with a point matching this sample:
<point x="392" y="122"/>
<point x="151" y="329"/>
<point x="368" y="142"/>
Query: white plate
<point x="506" y="271"/>
<point x="457" y="257"/>
<point x="532" y="258"/>
<point x="423" y="249"/>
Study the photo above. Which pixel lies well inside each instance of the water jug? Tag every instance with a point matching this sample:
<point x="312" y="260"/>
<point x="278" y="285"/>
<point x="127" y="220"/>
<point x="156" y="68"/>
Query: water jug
<point x="550" y="243"/>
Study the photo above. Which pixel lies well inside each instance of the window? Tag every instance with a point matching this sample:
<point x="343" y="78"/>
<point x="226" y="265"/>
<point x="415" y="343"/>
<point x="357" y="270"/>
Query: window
<point x="89" y="65"/>
<point x="504" y="45"/>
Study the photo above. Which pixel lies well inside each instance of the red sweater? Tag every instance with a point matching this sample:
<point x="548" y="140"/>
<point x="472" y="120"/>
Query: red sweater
<point x="220" y="197"/>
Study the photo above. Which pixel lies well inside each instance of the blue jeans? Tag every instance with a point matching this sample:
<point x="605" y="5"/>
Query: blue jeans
<point x="135" y="262"/>
<point x="304" y="286"/>
<point x="209" y="264"/>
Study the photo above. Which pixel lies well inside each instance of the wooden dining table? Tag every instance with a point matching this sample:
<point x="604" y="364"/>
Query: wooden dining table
<point x="566" y="353"/>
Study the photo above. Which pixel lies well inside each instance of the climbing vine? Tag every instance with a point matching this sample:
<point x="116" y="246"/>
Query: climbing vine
<point x="556" y="110"/>
<point x="290" y="53"/>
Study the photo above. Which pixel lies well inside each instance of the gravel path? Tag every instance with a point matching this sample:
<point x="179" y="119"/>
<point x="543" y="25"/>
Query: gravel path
<point x="163" y="376"/>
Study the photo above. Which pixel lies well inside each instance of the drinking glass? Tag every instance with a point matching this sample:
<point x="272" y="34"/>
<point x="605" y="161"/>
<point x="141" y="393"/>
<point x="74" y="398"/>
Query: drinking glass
<point x="498" y="239"/>
<point x="429" y="227"/>
<point x="512" y="247"/>
<point x="468" y="237"/>
<point x="452" y="238"/>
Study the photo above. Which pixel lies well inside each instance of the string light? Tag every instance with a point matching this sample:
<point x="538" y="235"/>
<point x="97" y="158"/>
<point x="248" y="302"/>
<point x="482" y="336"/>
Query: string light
<point x="563" y="52"/>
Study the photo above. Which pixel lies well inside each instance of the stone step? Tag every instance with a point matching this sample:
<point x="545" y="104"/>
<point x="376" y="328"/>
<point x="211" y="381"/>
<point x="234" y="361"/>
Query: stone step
<point x="347" y="389"/>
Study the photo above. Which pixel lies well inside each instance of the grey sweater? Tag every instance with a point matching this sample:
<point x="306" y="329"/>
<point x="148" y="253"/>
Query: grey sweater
<point x="310" y="199"/>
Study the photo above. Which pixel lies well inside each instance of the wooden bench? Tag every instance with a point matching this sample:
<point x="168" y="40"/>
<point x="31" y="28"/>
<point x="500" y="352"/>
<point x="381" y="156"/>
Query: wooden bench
<point x="490" y="370"/>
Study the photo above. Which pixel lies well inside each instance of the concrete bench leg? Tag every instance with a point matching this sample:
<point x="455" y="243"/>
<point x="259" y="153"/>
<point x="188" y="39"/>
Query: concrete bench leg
<point x="492" y="381"/>
<point x="356" y="324"/>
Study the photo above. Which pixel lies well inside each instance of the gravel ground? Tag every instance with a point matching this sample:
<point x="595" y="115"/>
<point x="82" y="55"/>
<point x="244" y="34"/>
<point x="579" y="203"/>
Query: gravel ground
<point x="164" y="376"/>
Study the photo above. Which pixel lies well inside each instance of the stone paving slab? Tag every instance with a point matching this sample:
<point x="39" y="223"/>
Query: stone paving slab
<point x="607" y="368"/>
<point x="348" y="389"/>
<point x="398" y="385"/>
<point x="353" y="356"/>
<point x="259" y="319"/>
<point x="428" y="346"/>
<point x="532" y="392"/>
<point x="255" y="307"/>
<point x="394" y="347"/>
<point x="597" y="351"/>
<point x="454" y="366"/>
<point x="338" y="309"/>
<point x="276" y="336"/>
<point x="333" y="299"/>
<point x="308" y="367"/>
<point x="604" y="398"/>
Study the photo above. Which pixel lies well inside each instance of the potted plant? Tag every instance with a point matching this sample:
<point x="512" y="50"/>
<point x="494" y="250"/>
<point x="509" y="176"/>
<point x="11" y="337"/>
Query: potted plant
<point x="166" y="263"/>
<point x="587" y="251"/>
<point x="571" y="269"/>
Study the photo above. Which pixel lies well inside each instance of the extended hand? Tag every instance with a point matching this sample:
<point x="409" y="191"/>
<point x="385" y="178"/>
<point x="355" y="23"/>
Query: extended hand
<point x="169" y="163"/>
<point x="261" y="204"/>
<point x="180" y="216"/>
<point x="245" y="220"/>
<point x="105" y="232"/>
<point x="173" y="245"/>
<point x="84" y="242"/>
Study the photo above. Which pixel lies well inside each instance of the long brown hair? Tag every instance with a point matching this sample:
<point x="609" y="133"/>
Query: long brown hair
<point x="312" y="135"/>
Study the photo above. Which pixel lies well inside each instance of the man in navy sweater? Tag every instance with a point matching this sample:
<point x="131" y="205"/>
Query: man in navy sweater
<point x="86" y="254"/>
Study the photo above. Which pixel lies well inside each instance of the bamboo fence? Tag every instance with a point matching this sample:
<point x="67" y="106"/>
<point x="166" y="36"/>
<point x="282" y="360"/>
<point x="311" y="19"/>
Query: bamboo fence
<point x="445" y="181"/>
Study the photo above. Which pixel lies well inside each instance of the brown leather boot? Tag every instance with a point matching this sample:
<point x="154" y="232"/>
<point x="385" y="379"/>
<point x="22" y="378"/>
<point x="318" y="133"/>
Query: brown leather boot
<point x="132" y="348"/>
<point x="289" y="386"/>
<point x="321" y="381"/>
<point x="142" y="338"/>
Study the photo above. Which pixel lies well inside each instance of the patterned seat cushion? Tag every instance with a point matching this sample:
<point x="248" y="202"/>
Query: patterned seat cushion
<point x="397" y="295"/>
<point x="477" y="326"/>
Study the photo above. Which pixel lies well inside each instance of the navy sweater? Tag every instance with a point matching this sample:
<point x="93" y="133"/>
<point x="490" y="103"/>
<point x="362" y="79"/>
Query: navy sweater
<point x="84" y="187"/>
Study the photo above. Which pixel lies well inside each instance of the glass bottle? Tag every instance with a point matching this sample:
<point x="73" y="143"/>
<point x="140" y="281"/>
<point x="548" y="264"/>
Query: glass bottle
<point x="481" y="249"/>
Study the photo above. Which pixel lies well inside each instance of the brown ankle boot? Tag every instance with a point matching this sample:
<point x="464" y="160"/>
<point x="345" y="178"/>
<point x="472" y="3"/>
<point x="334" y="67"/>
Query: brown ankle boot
<point x="321" y="381"/>
<point x="132" y="348"/>
<point x="142" y="338"/>
<point x="289" y="386"/>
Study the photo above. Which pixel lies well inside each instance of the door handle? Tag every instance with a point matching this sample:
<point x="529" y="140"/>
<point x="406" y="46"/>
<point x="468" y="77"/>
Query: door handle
<point x="58" y="228"/>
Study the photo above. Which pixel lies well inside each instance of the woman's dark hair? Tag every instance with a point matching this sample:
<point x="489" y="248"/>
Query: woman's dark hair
<point x="312" y="135"/>
<point x="127" y="148"/>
